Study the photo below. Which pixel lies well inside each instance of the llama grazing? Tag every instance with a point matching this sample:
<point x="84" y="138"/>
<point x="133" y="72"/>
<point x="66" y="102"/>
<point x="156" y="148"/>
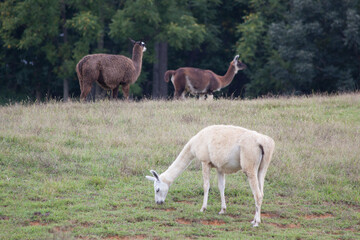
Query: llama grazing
<point x="110" y="71"/>
<point x="199" y="81"/>
<point x="228" y="149"/>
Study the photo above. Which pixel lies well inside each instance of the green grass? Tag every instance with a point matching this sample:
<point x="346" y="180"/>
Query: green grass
<point x="77" y="171"/>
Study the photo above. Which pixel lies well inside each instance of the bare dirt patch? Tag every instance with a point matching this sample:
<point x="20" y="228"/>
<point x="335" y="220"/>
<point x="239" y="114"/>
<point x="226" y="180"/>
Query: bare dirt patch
<point x="36" y="199"/>
<point x="79" y="223"/>
<point x="186" y="202"/>
<point x="285" y="226"/>
<point x="39" y="219"/>
<point x="233" y="215"/>
<point x="2" y="217"/>
<point x="86" y="224"/>
<point x="183" y="221"/>
<point x="315" y="216"/>
<point x="62" y="229"/>
<point x="112" y="238"/>
<point x="140" y="236"/>
<point x="37" y="223"/>
<point x="270" y="215"/>
<point x="213" y="222"/>
<point x="171" y="209"/>
<point x="351" y="229"/>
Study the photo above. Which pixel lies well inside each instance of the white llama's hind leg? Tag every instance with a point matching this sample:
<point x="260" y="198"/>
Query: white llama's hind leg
<point x="206" y="177"/>
<point x="221" y="185"/>
<point x="261" y="176"/>
<point x="254" y="184"/>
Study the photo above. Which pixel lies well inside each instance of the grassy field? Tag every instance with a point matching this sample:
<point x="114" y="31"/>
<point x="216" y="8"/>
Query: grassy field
<point x="77" y="171"/>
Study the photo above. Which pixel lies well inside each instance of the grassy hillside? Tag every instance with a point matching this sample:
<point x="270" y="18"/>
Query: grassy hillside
<point x="77" y="171"/>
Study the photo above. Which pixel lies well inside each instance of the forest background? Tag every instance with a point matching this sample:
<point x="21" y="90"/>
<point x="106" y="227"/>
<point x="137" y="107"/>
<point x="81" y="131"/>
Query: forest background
<point x="289" y="46"/>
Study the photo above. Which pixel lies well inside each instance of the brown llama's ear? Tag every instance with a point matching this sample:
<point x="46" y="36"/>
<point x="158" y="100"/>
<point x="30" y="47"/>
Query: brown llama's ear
<point x="132" y="41"/>
<point x="236" y="58"/>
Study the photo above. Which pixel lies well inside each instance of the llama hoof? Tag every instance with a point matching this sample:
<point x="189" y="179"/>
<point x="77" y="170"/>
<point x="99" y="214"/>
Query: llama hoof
<point x="254" y="223"/>
<point x="202" y="209"/>
<point x="222" y="211"/>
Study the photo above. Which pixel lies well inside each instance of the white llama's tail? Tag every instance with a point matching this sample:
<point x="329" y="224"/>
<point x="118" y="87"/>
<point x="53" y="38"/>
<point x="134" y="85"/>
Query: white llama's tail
<point x="267" y="149"/>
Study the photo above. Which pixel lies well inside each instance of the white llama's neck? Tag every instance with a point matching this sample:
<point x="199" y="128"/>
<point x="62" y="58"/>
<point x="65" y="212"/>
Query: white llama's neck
<point x="178" y="166"/>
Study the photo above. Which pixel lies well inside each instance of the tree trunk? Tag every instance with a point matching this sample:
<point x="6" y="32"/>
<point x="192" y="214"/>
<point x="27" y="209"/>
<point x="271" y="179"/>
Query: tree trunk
<point x="38" y="93"/>
<point x="99" y="92"/>
<point x="66" y="90"/>
<point x="160" y="87"/>
<point x="65" y="80"/>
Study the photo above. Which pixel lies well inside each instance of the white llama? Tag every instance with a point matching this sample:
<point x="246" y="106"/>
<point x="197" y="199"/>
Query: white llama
<point x="228" y="149"/>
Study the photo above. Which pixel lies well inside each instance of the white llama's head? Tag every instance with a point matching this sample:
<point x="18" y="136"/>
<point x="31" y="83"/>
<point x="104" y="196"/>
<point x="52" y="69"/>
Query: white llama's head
<point x="161" y="189"/>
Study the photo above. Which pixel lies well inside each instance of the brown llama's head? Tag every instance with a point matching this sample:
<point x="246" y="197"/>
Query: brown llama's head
<point x="139" y="44"/>
<point x="238" y="64"/>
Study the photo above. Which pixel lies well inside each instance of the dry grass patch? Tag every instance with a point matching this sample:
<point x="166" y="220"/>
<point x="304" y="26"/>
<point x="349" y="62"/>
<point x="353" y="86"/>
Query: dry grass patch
<point x="85" y="163"/>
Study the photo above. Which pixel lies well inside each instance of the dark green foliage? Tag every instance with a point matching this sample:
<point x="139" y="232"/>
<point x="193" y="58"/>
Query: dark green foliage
<point x="290" y="46"/>
<point x="313" y="47"/>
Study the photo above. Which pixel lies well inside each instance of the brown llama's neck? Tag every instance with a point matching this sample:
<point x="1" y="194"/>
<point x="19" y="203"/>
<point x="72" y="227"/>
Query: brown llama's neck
<point x="137" y="59"/>
<point x="228" y="77"/>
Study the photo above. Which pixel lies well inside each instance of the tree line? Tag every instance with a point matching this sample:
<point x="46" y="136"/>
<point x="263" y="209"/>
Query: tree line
<point x="289" y="46"/>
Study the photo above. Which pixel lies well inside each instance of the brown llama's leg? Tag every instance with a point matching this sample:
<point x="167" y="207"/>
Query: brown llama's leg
<point x="115" y="92"/>
<point x="86" y="88"/>
<point x="80" y="79"/>
<point x="179" y="92"/>
<point x="176" y="95"/>
<point x="179" y="86"/>
<point x="125" y="90"/>
<point x="81" y="85"/>
<point x="179" y="95"/>
<point x="210" y="96"/>
<point x="202" y="96"/>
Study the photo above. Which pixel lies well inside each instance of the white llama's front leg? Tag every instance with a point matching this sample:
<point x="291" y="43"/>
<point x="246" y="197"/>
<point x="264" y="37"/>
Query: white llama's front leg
<point x="254" y="184"/>
<point x="221" y="185"/>
<point x="206" y="179"/>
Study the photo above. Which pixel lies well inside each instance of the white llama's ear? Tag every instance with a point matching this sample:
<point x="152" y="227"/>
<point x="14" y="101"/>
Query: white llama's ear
<point x="236" y="57"/>
<point x="155" y="175"/>
<point x="151" y="178"/>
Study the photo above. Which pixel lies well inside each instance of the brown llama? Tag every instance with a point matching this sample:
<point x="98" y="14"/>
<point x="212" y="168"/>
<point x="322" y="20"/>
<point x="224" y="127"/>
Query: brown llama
<point x="202" y="82"/>
<point x="110" y="71"/>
